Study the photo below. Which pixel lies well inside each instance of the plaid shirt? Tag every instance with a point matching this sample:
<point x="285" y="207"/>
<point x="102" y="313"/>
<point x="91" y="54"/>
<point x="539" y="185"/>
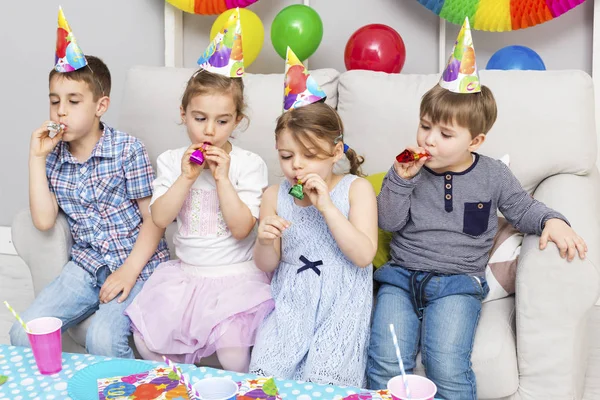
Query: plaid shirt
<point x="99" y="198"/>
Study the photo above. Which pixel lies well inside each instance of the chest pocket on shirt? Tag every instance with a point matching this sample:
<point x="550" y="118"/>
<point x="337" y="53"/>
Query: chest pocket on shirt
<point x="476" y="219"/>
<point x="110" y="192"/>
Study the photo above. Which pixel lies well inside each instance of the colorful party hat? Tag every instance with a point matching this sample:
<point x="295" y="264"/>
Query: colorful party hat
<point x="69" y="56"/>
<point x="461" y="75"/>
<point x="300" y="89"/>
<point x="224" y="56"/>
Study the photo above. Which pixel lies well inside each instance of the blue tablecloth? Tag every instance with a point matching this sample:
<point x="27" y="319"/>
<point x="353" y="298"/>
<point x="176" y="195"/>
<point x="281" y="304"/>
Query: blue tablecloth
<point x="26" y="383"/>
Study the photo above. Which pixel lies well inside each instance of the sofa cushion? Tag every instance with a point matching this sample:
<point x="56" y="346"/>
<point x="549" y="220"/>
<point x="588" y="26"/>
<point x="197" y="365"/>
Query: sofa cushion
<point x="150" y="110"/>
<point x="501" y="271"/>
<point x="544" y="134"/>
<point x="383" y="237"/>
<point x="494" y="355"/>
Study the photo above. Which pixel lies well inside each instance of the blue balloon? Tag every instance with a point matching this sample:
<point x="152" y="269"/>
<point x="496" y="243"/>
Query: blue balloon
<point x="313" y="87"/>
<point x="516" y="57"/>
<point x="118" y="390"/>
<point x="75" y="57"/>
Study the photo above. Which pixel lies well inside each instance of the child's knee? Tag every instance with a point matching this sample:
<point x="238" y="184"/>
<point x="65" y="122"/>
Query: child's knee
<point x="381" y="367"/>
<point x="235" y="359"/>
<point x="381" y="353"/>
<point x="447" y="367"/>
<point x="143" y="349"/>
<point x="104" y="340"/>
<point x="18" y="337"/>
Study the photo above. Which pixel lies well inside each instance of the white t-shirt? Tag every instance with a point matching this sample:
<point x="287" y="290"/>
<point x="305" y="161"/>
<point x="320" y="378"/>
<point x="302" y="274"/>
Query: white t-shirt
<point x="202" y="236"/>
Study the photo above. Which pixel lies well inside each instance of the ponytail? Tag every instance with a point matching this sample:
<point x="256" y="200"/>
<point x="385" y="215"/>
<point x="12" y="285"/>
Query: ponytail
<point x="355" y="162"/>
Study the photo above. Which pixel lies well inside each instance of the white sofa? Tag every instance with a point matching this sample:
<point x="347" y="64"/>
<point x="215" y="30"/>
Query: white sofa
<point x="529" y="346"/>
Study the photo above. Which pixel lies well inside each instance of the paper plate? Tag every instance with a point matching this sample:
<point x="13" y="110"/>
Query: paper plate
<point x="84" y="386"/>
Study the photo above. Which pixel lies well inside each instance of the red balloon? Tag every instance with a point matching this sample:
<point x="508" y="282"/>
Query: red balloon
<point x="375" y="47"/>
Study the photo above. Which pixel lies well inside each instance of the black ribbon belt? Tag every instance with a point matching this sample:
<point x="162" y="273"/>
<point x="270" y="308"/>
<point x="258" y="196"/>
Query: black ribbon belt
<point x="418" y="292"/>
<point x="310" y="264"/>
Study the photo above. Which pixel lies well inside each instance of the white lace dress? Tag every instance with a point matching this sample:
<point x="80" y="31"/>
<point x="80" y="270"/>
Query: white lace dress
<point x="319" y="329"/>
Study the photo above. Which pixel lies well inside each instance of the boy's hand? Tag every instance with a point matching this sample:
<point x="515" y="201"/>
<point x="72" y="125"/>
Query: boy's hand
<point x="218" y="161"/>
<point x="317" y="191"/>
<point x="409" y="170"/>
<point x="565" y="238"/>
<point x="271" y="228"/>
<point x="122" y="280"/>
<point x="189" y="169"/>
<point x="41" y="143"/>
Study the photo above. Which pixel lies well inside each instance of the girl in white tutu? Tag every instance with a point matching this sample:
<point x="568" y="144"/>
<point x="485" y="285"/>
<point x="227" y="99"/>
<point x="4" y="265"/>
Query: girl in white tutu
<point x="213" y="298"/>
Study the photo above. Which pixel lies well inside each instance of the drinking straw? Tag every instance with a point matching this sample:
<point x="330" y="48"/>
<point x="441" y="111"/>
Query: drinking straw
<point x="400" y="363"/>
<point x="16" y="316"/>
<point x="182" y="378"/>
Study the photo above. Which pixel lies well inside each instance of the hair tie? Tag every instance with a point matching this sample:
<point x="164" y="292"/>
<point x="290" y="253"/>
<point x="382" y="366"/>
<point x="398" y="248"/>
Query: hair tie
<point x="346" y="148"/>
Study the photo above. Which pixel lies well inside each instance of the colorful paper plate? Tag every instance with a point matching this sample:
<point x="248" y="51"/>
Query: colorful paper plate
<point x="83" y="385"/>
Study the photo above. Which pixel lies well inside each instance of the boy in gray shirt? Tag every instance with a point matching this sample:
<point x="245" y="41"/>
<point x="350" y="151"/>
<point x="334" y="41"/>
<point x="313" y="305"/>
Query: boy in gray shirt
<point x="442" y="210"/>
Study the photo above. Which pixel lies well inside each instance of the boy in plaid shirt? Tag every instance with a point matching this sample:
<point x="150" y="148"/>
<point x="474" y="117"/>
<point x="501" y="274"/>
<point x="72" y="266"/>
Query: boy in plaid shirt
<point x="102" y="180"/>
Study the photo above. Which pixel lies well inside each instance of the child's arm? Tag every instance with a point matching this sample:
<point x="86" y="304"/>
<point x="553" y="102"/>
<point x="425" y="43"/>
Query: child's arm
<point x="267" y="251"/>
<point x="393" y="202"/>
<point x="124" y="278"/>
<point x="528" y="215"/>
<point x="42" y="202"/>
<point x="356" y="235"/>
<point x="138" y="184"/>
<point x="166" y="207"/>
<point x="236" y="213"/>
<point x="171" y="195"/>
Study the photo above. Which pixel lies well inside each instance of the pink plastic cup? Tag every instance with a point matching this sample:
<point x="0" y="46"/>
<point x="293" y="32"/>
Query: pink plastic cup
<point x="420" y="387"/>
<point x="46" y="344"/>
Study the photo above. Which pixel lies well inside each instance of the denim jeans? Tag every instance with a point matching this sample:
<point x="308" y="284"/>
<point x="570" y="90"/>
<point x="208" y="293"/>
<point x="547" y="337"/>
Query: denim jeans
<point x="72" y="297"/>
<point x="436" y="313"/>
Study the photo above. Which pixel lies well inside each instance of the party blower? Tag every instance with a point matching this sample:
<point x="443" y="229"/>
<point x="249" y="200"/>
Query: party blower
<point x="408" y="156"/>
<point x="198" y="155"/>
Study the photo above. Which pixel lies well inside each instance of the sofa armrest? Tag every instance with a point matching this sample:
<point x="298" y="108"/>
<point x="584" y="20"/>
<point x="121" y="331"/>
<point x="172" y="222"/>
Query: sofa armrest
<point x="45" y="253"/>
<point x="555" y="297"/>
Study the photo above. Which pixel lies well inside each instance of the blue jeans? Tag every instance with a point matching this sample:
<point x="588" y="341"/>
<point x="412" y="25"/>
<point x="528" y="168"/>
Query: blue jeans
<point x="439" y="314"/>
<point x="72" y="297"/>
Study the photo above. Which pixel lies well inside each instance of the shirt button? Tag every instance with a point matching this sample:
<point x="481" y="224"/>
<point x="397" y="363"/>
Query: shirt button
<point x="448" y="196"/>
<point x="448" y="186"/>
<point x="83" y="169"/>
<point x="448" y="177"/>
<point x="107" y="257"/>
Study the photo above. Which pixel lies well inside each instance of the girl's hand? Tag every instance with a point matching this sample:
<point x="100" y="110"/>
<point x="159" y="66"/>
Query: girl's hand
<point x="410" y="169"/>
<point x="189" y="169"/>
<point x="317" y="191"/>
<point x="218" y="161"/>
<point x="271" y="228"/>
<point x="41" y="143"/>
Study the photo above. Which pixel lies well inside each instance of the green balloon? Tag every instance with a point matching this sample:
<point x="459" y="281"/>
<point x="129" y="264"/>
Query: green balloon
<point x="299" y="27"/>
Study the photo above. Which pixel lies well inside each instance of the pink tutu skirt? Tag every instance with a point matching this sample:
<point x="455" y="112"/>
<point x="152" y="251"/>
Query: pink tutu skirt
<point x="187" y="312"/>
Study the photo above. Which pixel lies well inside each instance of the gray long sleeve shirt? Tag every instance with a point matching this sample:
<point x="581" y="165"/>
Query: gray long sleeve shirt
<point x="446" y="223"/>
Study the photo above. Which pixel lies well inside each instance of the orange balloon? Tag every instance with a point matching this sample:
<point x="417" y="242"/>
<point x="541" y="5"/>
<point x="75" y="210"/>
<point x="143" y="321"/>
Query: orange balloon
<point x="147" y="391"/>
<point x="178" y="392"/>
<point x="236" y="51"/>
<point x="467" y="65"/>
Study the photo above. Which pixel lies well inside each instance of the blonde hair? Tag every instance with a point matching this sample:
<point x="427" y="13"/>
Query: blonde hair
<point x="320" y="121"/>
<point x="475" y="111"/>
<point x="204" y="82"/>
